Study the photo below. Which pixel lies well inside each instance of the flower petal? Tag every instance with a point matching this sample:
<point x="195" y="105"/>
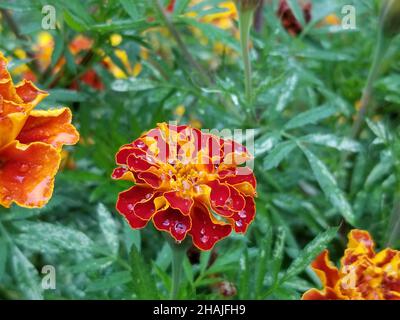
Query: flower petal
<point x="245" y="217"/>
<point x="174" y="222"/>
<point x="184" y="205"/>
<point x="127" y="201"/>
<point x="27" y="174"/>
<point x="29" y="93"/>
<point x="53" y="127"/>
<point x="326" y="271"/>
<point x="205" y="232"/>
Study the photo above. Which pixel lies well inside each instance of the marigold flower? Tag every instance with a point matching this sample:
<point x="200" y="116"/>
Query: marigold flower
<point x="30" y="142"/>
<point x="288" y="19"/>
<point x="364" y="274"/>
<point x="187" y="182"/>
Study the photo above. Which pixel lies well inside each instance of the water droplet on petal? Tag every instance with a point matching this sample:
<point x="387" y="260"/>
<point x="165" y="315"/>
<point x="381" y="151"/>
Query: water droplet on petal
<point x="148" y="196"/>
<point x="239" y="223"/>
<point x="204" y="238"/>
<point x="180" y="228"/>
<point x="243" y="214"/>
<point x="166" y="223"/>
<point x="130" y="207"/>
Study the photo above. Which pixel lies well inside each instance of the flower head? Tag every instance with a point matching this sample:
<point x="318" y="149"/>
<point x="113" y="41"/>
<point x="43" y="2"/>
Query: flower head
<point x="30" y="142"/>
<point x="187" y="182"/>
<point x="363" y="275"/>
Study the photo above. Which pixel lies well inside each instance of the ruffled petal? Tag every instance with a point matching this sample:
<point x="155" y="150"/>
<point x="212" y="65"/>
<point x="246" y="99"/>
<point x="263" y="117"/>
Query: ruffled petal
<point x="122" y="173"/>
<point x="10" y="126"/>
<point x="245" y="217"/>
<point x="27" y="174"/>
<point x="184" y="205"/>
<point x="174" y="222"/>
<point x="127" y="201"/>
<point x="29" y="93"/>
<point x="326" y="271"/>
<point x="53" y="127"/>
<point x="205" y="232"/>
<point x="314" y="294"/>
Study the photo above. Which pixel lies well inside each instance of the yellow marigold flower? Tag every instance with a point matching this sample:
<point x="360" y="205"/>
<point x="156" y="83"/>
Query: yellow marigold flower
<point x="132" y="71"/>
<point x="332" y="20"/>
<point x="115" y="39"/>
<point x="363" y="275"/>
<point x="180" y="110"/>
<point x="30" y="142"/>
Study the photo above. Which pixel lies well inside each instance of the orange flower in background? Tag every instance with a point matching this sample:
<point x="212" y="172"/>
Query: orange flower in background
<point x="364" y="274"/>
<point x="30" y="142"/>
<point x="187" y="182"/>
<point x="288" y="19"/>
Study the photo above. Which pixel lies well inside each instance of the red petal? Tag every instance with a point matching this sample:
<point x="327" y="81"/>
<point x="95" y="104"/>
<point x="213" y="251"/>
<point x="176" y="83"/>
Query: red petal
<point x="244" y="217"/>
<point x="139" y="163"/>
<point x="234" y="176"/>
<point x="184" y="205"/>
<point x="127" y="201"/>
<point x="174" y="222"/>
<point x="122" y="155"/>
<point x="150" y="178"/>
<point x="219" y="193"/>
<point x="205" y="232"/>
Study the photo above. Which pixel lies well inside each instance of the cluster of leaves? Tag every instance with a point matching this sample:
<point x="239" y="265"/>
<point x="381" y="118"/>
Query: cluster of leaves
<point x="314" y="182"/>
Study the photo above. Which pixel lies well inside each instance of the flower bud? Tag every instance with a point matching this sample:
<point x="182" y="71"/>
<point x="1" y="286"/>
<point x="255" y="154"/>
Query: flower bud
<point x="390" y="17"/>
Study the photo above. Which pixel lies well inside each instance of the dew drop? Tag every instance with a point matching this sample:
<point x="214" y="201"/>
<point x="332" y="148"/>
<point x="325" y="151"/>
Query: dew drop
<point x="166" y="223"/>
<point x="239" y="223"/>
<point x="202" y="231"/>
<point x="204" y="238"/>
<point x="180" y="228"/>
<point x="243" y="214"/>
<point x="148" y="196"/>
<point x="130" y="207"/>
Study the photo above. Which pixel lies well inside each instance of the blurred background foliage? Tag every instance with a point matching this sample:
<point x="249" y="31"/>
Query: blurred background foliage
<point x="122" y="67"/>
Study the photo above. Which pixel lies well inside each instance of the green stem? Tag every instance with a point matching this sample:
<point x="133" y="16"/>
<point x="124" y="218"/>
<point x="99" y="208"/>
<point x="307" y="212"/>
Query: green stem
<point x="181" y="44"/>
<point x="368" y="90"/>
<point x="178" y="254"/>
<point x="245" y="20"/>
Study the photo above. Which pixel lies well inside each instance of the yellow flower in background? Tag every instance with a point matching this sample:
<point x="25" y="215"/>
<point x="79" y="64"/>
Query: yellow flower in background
<point x="332" y="20"/>
<point x="364" y="274"/>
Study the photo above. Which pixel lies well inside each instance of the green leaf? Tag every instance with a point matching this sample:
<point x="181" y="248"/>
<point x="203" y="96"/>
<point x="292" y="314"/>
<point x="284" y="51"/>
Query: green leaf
<point x="143" y="281"/>
<point x="277" y="255"/>
<point x="310" y="117"/>
<point x="133" y="84"/>
<point x="278" y="154"/>
<point x="130" y="6"/>
<point x="50" y="238"/>
<point x="109" y="228"/>
<point x="110" y="281"/>
<point x="3" y="256"/>
<point x="26" y="274"/>
<point x="333" y="141"/>
<point x="310" y="252"/>
<point x="329" y="185"/>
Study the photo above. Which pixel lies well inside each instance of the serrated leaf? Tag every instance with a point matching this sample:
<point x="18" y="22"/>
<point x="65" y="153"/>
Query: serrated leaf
<point x="109" y="228"/>
<point x="28" y="278"/>
<point x="329" y="185"/>
<point x="277" y="255"/>
<point x="333" y="141"/>
<point x="310" y="252"/>
<point x="50" y="238"/>
<point x="278" y="154"/>
<point x="310" y="117"/>
<point x="143" y="282"/>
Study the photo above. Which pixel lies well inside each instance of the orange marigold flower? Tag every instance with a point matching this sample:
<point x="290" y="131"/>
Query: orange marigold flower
<point x="364" y="274"/>
<point x="30" y="142"/>
<point x="288" y="19"/>
<point x="187" y="182"/>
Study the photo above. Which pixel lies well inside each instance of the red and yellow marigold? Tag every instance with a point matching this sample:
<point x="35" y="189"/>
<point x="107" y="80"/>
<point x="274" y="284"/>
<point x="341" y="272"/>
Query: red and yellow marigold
<point x="363" y="275"/>
<point x="186" y="182"/>
<point x="30" y="142"/>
